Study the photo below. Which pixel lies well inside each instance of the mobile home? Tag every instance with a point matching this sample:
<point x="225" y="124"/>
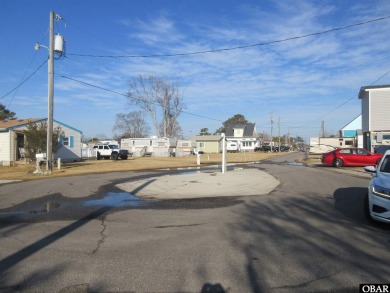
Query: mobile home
<point x="152" y="146"/>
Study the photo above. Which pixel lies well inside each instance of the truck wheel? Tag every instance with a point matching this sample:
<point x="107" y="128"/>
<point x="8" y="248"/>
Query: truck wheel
<point x="124" y="157"/>
<point x="98" y="157"/>
<point x="114" y="157"/>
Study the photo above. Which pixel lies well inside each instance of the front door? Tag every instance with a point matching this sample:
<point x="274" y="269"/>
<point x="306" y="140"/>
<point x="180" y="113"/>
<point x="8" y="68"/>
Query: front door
<point x="19" y="146"/>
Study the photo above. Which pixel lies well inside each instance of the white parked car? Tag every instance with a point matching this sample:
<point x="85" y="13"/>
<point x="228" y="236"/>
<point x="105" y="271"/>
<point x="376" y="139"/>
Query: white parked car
<point x="379" y="190"/>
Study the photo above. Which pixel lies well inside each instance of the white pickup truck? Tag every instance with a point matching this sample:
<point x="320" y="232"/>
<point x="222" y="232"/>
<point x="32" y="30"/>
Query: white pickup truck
<point x="110" y="151"/>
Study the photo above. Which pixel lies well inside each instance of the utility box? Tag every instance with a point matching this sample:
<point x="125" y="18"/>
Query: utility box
<point x="58" y="44"/>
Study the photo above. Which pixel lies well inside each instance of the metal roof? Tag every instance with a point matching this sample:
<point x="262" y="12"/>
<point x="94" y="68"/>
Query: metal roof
<point x="11" y="124"/>
<point x="371" y="87"/>
<point x="248" y="128"/>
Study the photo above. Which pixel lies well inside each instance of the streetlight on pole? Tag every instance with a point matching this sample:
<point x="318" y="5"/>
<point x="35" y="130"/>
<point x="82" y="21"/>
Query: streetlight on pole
<point x="54" y="47"/>
<point x="49" y="142"/>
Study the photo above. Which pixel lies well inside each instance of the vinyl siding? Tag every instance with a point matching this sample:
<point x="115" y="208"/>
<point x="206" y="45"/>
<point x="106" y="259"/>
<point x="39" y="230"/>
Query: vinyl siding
<point x="209" y="146"/>
<point x="349" y="133"/>
<point x="380" y="106"/>
<point x="72" y="151"/>
<point x="4" y="146"/>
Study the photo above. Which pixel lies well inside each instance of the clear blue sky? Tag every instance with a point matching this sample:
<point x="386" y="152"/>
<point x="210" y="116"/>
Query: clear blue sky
<point x="303" y="81"/>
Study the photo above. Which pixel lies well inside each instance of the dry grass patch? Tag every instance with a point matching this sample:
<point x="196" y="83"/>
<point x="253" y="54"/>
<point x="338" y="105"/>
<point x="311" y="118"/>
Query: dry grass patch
<point x="25" y="172"/>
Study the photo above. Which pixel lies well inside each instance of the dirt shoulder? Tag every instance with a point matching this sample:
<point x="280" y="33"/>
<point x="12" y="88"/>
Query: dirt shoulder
<point x="25" y="171"/>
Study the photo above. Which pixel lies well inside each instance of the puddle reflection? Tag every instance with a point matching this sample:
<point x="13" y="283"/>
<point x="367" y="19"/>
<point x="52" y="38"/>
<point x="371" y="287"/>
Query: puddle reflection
<point x="121" y="199"/>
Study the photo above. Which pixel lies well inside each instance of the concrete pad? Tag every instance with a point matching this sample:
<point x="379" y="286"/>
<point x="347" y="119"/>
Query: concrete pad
<point x="243" y="182"/>
<point x="8" y="181"/>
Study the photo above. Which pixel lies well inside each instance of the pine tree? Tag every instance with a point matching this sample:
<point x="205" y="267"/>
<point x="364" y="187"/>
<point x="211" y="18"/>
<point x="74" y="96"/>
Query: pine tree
<point x="6" y="114"/>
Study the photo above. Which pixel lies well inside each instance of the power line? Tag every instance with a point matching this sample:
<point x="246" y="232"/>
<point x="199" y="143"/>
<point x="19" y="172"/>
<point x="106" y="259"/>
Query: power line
<point x="24" y="75"/>
<point x="342" y="104"/>
<point x="234" y="48"/>
<point x="124" y="95"/>
<point x="20" y="84"/>
<point x="339" y="106"/>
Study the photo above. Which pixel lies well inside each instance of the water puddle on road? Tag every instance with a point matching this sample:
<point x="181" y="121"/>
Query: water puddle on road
<point x="118" y="199"/>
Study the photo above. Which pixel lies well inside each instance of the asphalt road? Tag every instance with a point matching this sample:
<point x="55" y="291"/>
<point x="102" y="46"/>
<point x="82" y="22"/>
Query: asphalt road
<point x="310" y="234"/>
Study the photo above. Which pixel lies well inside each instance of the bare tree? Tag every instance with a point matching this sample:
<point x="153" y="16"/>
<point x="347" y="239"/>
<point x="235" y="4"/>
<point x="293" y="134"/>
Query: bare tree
<point x="131" y="124"/>
<point x="159" y="98"/>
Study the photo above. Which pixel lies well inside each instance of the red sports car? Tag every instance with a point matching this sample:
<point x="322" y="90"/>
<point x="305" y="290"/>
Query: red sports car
<point x="350" y="157"/>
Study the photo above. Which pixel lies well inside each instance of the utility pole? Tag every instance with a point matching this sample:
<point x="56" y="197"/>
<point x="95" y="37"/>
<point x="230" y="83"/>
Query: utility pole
<point x="272" y="127"/>
<point x="288" y="137"/>
<point x="279" y="133"/>
<point x="49" y="143"/>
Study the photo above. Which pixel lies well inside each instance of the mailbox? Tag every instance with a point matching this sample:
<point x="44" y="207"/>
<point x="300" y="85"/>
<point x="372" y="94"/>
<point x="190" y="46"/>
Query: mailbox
<point x="41" y="156"/>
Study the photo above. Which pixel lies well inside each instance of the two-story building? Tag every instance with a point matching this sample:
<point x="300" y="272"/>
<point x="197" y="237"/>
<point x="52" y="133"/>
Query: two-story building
<point x="244" y="135"/>
<point x="375" y="115"/>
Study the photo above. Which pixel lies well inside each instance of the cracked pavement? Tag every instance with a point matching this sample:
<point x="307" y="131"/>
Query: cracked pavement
<point x="310" y="234"/>
<point x="103" y="237"/>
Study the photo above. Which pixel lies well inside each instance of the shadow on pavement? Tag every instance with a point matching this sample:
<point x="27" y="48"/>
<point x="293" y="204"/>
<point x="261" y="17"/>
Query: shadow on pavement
<point x="20" y="255"/>
<point x="15" y="258"/>
<point x="301" y="244"/>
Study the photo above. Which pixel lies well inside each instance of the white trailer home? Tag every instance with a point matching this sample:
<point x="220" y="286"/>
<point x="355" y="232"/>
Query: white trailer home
<point x="152" y="146"/>
<point x="319" y="145"/>
<point x="185" y="148"/>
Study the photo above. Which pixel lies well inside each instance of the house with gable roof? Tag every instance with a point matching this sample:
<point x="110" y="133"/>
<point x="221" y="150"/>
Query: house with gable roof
<point x="208" y="143"/>
<point x="375" y="101"/>
<point x="12" y="139"/>
<point x="244" y="134"/>
<point x="353" y="132"/>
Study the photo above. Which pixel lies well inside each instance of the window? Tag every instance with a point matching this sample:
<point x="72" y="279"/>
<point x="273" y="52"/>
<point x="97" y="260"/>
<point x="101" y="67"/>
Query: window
<point x="345" y="151"/>
<point x="185" y="144"/>
<point x="385" y="167"/>
<point x="201" y="144"/>
<point x="161" y="144"/>
<point x="238" y="132"/>
<point x="67" y="141"/>
<point x="361" y="152"/>
<point x="349" y="142"/>
<point x="381" y="136"/>
<point x="247" y="143"/>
